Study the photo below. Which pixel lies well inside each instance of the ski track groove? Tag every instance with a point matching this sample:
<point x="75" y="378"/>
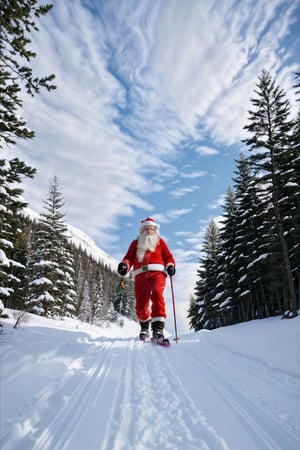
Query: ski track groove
<point x="23" y="420"/>
<point x="153" y="415"/>
<point x="120" y="424"/>
<point x="282" y="381"/>
<point x="69" y="413"/>
<point x="190" y="416"/>
<point x="133" y="398"/>
<point x="279" y="378"/>
<point x="247" y="411"/>
<point x="68" y="418"/>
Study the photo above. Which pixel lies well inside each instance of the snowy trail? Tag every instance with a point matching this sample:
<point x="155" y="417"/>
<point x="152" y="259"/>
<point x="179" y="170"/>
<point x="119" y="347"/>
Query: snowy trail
<point x="253" y="409"/>
<point x="107" y="393"/>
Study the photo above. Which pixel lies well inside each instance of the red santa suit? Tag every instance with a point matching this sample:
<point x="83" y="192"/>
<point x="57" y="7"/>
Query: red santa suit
<point x="149" y="279"/>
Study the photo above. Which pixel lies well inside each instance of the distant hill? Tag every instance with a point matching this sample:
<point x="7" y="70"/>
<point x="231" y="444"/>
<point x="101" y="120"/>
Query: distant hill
<point x="83" y="241"/>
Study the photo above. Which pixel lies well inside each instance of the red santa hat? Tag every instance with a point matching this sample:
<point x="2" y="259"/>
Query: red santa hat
<point x="149" y="222"/>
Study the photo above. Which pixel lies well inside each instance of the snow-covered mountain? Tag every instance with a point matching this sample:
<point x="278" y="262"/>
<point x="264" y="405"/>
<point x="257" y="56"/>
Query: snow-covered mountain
<point x="67" y="385"/>
<point x="81" y="240"/>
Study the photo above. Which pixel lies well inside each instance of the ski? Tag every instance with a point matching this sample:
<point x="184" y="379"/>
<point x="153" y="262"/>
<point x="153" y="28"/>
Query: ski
<point x="163" y="342"/>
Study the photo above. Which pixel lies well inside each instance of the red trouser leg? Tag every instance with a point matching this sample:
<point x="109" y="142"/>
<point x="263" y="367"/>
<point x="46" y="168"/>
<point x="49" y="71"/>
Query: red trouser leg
<point x="142" y="297"/>
<point x="157" y="281"/>
<point x="150" y="286"/>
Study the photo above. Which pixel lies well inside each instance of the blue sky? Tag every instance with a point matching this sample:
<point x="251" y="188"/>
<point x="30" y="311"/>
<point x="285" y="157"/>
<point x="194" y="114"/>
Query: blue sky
<point x="148" y="115"/>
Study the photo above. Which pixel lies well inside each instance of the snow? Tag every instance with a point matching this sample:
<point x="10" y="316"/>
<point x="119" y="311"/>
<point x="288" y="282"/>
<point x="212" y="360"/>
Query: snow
<point x="67" y="385"/>
<point x="242" y="279"/>
<point x="40" y="282"/>
<point x="45" y="297"/>
<point x="5" y="291"/>
<point x="80" y="240"/>
<point x="3" y="259"/>
<point x="44" y="263"/>
<point x="6" y="243"/>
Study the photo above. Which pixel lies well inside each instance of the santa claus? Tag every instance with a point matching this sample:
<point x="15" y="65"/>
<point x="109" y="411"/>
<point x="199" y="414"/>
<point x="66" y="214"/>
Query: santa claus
<point x="151" y="260"/>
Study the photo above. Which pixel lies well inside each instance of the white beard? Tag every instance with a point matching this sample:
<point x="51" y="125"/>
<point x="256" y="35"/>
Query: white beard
<point x="146" y="242"/>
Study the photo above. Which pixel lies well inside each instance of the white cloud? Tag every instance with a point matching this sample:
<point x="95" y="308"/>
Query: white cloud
<point x="211" y="66"/>
<point x="194" y="174"/>
<point x="181" y="192"/>
<point x="170" y="215"/>
<point x="205" y="150"/>
<point x="217" y="203"/>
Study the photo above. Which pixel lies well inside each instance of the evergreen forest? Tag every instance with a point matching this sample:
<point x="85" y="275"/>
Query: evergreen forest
<point x="250" y="264"/>
<point x="42" y="271"/>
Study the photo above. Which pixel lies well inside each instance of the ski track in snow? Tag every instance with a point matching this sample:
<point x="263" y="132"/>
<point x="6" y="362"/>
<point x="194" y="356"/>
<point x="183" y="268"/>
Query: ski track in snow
<point x="131" y="395"/>
<point x="263" y="421"/>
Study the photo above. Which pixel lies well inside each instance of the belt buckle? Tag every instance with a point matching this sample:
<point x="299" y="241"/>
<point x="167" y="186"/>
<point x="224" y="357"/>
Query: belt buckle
<point x="145" y="268"/>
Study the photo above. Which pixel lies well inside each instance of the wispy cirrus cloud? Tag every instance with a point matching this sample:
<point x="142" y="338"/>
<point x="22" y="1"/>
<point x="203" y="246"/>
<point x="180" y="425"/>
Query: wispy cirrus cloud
<point x="218" y="202"/>
<point x="204" y="150"/>
<point x="193" y="174"/>
<point x="170" y="215"/>
<point x="182" y="191"/>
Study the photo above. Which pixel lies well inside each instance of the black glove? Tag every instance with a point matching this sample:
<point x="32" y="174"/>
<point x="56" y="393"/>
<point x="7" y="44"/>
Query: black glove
<point x="122" y="268"/>
<point x="171" y="270"/>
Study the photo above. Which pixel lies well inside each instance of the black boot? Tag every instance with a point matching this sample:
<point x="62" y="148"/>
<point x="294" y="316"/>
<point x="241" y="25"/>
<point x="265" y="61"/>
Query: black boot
<point x="157" y="329"/>
<point x="144" y="333"/>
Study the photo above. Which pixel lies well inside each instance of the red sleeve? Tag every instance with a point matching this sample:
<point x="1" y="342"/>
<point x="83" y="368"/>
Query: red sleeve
<point x="166" y="254"/>
<point x="130" y="255"/>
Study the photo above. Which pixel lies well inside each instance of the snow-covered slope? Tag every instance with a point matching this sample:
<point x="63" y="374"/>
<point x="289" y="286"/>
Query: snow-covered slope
<point x="81" y="240"/>
<point x="72" y="386"/>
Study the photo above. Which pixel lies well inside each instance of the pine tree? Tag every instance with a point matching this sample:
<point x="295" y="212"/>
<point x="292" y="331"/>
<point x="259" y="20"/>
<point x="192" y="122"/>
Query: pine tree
<point x="293" y="218"/>
<point x="205" y="291"/>
<point x="193" y="311"/>
<point x="17" y="21"/>
<point x="253" y="249"/>
<point x="85" y="310"/>
<point x="12" y="262"/>
<point x="124" y="299"/>
<point x="269" y="142"/>
<point x="50" y="268"/>
<point x="293" y="185"/>
<point x="98" y="299"/>
<point x="2" y="314"/>
<point x="228" y="266"/>
<point x="111" y="315"/>
<point x="130" y="300"/>
<point x="120" y="297"/>
<point x="297" y="85"/>
<point x="68" y="294"/>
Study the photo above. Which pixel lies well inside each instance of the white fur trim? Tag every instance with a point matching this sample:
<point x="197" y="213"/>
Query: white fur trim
<point x="149" y="223"/>
<point x="158" y="319"/>
<point x="149" y="267"/>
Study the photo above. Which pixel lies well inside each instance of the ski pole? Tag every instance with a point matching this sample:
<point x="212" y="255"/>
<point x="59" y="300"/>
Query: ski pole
<point x="174" y="312"/>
